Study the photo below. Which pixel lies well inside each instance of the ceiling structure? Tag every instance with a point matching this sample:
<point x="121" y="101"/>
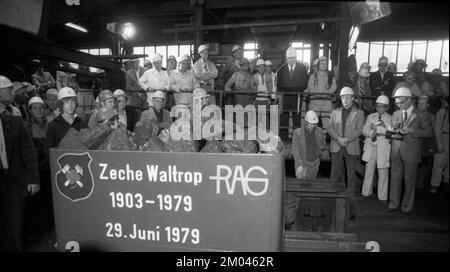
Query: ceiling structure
<point x="153" y="20"/>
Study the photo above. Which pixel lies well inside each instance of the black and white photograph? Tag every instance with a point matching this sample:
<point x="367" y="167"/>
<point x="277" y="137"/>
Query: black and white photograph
<point x="252" y="130"/>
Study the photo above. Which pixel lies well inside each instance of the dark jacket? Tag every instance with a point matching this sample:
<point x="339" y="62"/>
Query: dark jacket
<point x="21" y="155"/>
<point x="386" y="86"/>
<point x="58" y="128"/>
<point x="298" y="82"/>
<point x="133" y="116"/>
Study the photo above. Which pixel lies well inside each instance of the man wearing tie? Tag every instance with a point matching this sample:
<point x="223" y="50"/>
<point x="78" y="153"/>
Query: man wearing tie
<point x="406" y="152"/>
<point x="382" y="81"/>
<point x="291" y="77"/>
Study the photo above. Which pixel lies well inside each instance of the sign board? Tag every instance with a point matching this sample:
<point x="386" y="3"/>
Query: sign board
<point x="151" y="201"/>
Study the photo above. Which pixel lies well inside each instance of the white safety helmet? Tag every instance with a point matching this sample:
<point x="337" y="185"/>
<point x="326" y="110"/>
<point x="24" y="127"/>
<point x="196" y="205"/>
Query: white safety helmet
<point x="5" y="82"/>
<point x="202" y="47"/>
<point x="119" y="92"/>
<point x="185" y="57"/>
<point x="260" y="62"/>
<point x="200" y="93"/>
<point x="66" y="92"/>
<point x="236" y="47"/>
<point x="403" y="92"/>
<point x="35" y="99"/>
<point x="52" y="91"/>
<point x="268" y="62"/>
<point x="382" y="99"/>
<point x="159" y="94"/>
<point x="346" y="91"/>
<point x="156" y="57"/>
<point x="311" y="117"/>
<point x="291" y="52"/>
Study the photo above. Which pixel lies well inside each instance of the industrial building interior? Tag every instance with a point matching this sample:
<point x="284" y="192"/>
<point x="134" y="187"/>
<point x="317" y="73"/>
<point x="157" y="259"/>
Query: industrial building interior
<point x="265" y="29"/>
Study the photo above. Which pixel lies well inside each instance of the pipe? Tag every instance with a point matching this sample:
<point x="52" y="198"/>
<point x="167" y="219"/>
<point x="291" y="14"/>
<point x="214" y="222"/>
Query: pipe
<point x="245" y="25"/>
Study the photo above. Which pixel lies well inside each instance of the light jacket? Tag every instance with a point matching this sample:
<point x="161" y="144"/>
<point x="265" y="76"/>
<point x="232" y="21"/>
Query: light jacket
<point x="381" y="146"/>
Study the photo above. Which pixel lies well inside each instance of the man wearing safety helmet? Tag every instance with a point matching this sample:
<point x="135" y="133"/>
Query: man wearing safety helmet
<point x="39" y="207"/>
<point x="382" y="81"/>
<point x="107" y="100"/>
<point x="291" y="77"/>
<point x="233" y="65"/>
<point x="183" y="82"/>
<point x="19" y="171"/>
<point x="242" y="82"/>
<point x="128" y="116"/>
<point x="377" y="149"/>
<point x="406" y="152"/>
<point x="205" y="71"/>
<point x="321" y="81"/>
<point x="307" y="144"/>
<point x="263" y="82"/>
<point x="57" y="129"/>
<point x="154" y="79"/>
<point x="157" y="112"/>
<point x="345" y="127"/>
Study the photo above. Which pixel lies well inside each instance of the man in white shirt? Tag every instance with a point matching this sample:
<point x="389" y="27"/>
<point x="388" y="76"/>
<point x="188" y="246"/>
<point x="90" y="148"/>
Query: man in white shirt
<point x="154" y="79"/>
<point x="183" y="82"/>
<point x="205" y="71"/>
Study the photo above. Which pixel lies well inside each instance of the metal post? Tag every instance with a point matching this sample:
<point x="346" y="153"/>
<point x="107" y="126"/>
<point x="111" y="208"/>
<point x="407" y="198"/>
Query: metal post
<point x="198" y="24"/>
<point x="344" y="30"/>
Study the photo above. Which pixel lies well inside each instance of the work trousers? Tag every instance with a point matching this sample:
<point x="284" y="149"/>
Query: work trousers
<point x="337" y="159"/>
<point x="440" y="165"/>
<point x="383" y="178"/>
<point x="401" y="170"/>
<point x="322" y="108"/>
<point x="291" y="202"/>
<point x="11" y="221"/>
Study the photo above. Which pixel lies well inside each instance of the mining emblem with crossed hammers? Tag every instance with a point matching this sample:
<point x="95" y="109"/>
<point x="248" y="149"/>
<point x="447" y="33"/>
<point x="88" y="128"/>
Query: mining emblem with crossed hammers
<point x="73" y="175"/>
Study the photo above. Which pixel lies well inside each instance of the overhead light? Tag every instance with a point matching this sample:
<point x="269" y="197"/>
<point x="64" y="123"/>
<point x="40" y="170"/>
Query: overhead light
<point x="127" y="31"/>
<point x="77" y="27"/>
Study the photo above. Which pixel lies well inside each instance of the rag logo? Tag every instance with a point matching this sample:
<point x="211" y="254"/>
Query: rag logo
<point x="251" y="182"/>
<point x="74" y="179"/>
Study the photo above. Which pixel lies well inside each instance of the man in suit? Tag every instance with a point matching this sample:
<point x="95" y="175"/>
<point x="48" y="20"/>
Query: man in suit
<point x="132" y="76"/>
<point x="345" y="126"/>
<point x="291" y="77"/>
<point x="382" y="82"/>
<point x="19" y="171"/>
<point x="410" y="126"/>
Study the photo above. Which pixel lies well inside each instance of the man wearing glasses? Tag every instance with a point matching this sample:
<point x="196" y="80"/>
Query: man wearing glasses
<point x="409" y="125"/>
<point x="377" y="149"/>
<point x="382" y="81"/>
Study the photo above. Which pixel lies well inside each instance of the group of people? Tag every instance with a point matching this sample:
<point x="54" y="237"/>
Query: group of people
<point x="405" y="141"/>
<point x="36" y="117"/>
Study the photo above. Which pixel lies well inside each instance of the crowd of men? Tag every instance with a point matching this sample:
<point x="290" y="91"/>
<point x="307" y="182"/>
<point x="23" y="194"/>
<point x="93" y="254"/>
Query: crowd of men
<point x="406" y="136"/>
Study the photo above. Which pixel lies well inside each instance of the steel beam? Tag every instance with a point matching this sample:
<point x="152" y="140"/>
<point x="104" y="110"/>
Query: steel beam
<point x="246" y="25"/>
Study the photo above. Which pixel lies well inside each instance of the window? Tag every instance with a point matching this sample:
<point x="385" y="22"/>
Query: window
<point x="303" y="51"/>
<point x="376" y="51"/>
<point x="404" y="56"/>
<point x="435" y="53"/>
<point x="251" y="50"/>
<point x="104" y="51"/>
<point x="362" y="53"/>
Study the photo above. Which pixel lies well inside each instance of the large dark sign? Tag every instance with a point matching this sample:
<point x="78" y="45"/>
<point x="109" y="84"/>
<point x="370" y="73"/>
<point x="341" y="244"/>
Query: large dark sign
<point x="141" y="201"/>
